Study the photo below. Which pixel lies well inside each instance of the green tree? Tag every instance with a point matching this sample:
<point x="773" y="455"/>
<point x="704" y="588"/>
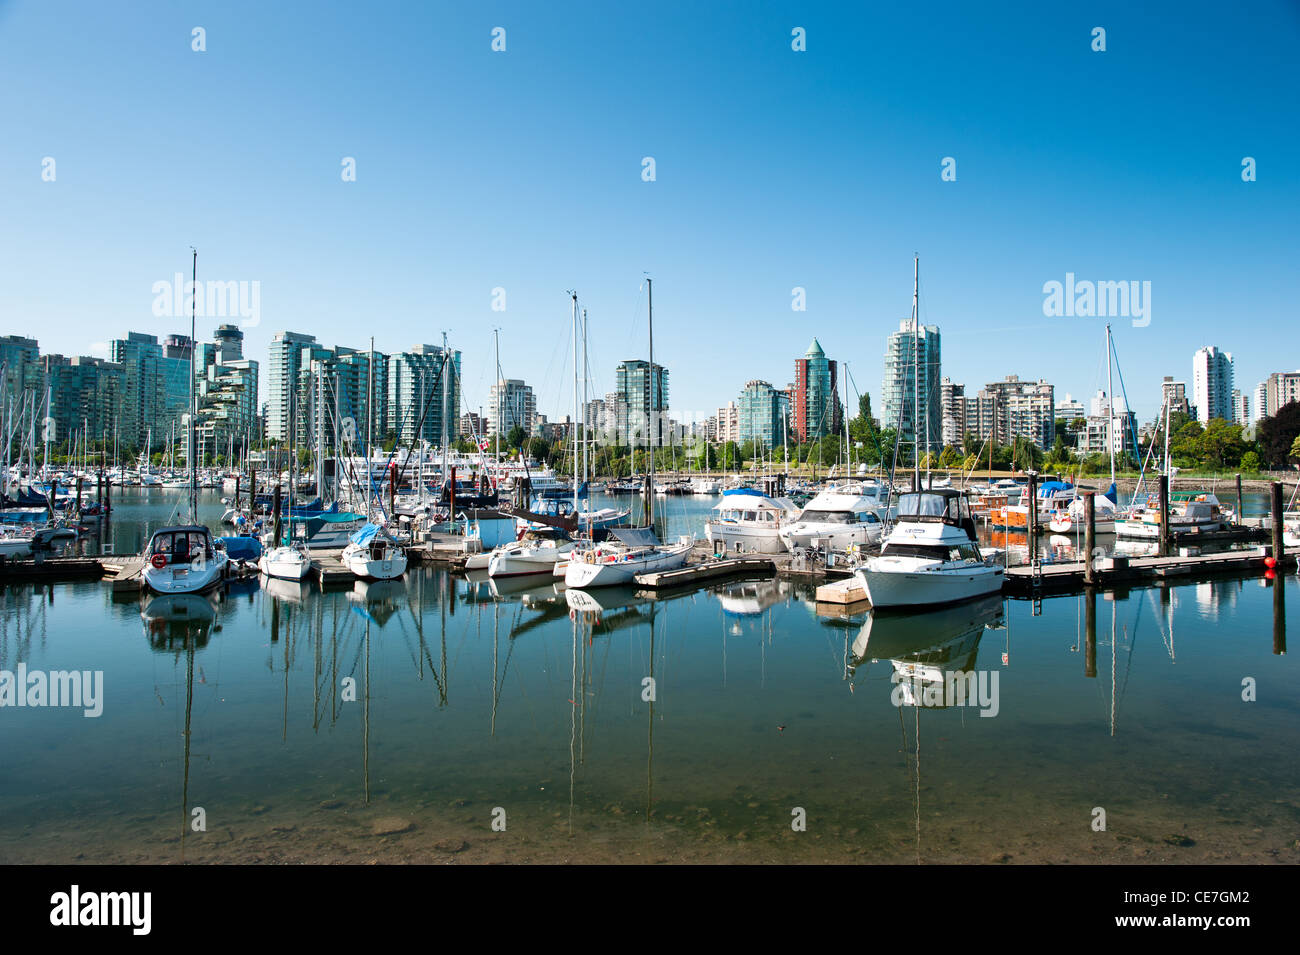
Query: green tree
<point x="1250" y="462"/>
<point x="515" y="437"/>
<point x="1276" y="436"/>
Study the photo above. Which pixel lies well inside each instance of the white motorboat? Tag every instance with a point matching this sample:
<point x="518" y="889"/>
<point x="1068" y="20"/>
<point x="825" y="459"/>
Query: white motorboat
<point x="1189" y="512"/>
<point x="372" y="554"/>
<point x="534" y="554"/>
<point x="931" y="556"/>
<point x="838" y="517"/>
<point x="183" y="559"/>
<point x="1291" y="529"/>
<point x="635" y="550"/>
<point x="15" y="544"/>
<point x="286" y="563"/>
<point x="750" y="522"/>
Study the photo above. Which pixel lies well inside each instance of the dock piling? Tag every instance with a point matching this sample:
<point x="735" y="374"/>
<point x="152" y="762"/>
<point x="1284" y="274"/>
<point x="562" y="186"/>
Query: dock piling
<point x="1090" y="634"/>
<point x="1279" y="552"/>
<point x="1032" y="529"/>
<point x="1089" y="536"/>
<point x="1164" y="515"/>
<point x="1241" y="514"/>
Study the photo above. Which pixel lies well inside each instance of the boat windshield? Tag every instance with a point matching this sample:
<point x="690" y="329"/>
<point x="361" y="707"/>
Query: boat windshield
<point x="829" y="517"/>
<point x="951" y="508"/>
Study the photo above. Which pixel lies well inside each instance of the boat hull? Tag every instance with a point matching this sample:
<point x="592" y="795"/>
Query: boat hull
<point x="281" y="566"/>
<point x="746" y="540"/>
<point x="525" y="561"/>
<point x="898" y="590"/>
<point x="580" y="574"/>
<point x="186" y="579"/>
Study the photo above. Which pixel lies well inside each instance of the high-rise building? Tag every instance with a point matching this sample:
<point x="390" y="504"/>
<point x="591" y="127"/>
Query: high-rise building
<point x="1103" y="426"/>
<point x="1010" y="409"/>
<point x="421" y="381"/>
<point x="1280" y="388"/>
<point x="1174" y="394"/>
<point x="727" y="427"/>
<point x="157" y="388"/>
<point x="1261" y="401"/>
<point x="646" y="396"/>
<point x="282" y="378"/>
<point x="85" y="397"/>
<point x="815" y="406"/>
<point x="762" y="415"/>
<point x="1240" y="409"/>
<point x="952" y="412"/>
<point x="356" y="398"/>
<point x="1212" y="384"/>
<point x="511" y="404"/>
<point x="1070" y="410"/>
<point x="20" y="359"/>
<point x="911" y="386"/>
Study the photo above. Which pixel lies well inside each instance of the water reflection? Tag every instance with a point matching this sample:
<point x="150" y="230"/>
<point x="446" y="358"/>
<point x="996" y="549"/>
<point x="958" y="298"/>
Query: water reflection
<point x="926" y="649"/>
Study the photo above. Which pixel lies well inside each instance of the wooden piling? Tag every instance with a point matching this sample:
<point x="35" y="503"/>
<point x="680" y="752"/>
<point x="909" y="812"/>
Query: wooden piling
<point x="1164" y="515"/>
<point x="1279" y="553"/>
<point x="79" y="483"/>
<point x="1031" y="529"/>
<point x="1279" y="615"/>
<point x="1090" y="634"/>
<point x="1089" y="536"/>
<point x="1241" y="514"/>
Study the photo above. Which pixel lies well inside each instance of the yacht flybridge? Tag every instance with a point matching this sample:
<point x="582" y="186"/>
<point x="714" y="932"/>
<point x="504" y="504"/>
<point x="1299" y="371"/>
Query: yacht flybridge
<point x="930" y="556"/>
<point x="840" y="516"/>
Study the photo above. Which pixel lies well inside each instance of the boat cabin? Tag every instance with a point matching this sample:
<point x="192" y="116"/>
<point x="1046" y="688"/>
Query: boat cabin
<point x="181" y="545"/>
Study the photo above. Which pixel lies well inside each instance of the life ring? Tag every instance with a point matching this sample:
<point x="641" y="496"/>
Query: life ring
<point x="158" y="561"/>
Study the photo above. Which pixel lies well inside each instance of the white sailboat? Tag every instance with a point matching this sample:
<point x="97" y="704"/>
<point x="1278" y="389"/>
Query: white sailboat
<point x="186" y="558"/>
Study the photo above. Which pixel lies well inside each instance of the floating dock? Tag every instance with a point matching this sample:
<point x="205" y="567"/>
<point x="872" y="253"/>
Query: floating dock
<point x="706" y="570"/>
<point x="1113" y="572"/>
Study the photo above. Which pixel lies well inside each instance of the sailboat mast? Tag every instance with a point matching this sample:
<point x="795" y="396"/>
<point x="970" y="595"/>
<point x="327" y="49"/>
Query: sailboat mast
<point x="574" y="431"/>
<point x="916" y="371"/>
<point x="650" y="316"/>
<point x="370" y="421"/>
<point x="496" y="342"/>
<point x="1110" y="415"/>
<point x="194" y="409"/>
<point x="586" y="463"/>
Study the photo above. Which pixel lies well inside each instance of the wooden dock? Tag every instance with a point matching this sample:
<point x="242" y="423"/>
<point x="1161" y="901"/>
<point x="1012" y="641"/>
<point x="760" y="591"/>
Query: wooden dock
<point x="706" y="570"/>
<point x="50" y="569"/>
<point x="1068" y="576"/>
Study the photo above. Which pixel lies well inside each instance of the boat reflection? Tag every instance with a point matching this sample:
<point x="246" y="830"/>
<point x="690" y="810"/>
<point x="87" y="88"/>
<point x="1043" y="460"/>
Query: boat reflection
<point x="177" y="622"/>
<point x="750" y="598"/>
<point x="926" y="648"/>
<point x="378" y="601"/>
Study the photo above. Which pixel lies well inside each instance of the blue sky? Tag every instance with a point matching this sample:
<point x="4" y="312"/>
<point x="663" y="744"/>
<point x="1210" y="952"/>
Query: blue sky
<point x="774" y="169"/>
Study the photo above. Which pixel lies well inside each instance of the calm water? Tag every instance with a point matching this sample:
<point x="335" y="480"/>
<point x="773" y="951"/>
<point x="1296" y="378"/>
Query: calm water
<point x="528" y="705"/>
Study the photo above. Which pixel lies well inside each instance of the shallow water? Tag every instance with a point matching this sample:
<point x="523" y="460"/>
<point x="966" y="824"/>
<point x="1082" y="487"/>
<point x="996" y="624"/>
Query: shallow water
<point x="524" y="706"/>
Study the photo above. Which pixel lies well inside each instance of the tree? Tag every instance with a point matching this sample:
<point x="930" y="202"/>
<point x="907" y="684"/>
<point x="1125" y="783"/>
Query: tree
<point x="1250" y="461"/>
<point x="515" y="437"/>
<point x="1220" y="444"/>
<point x="538" y="449"/>
<point x="1276" y="435"/>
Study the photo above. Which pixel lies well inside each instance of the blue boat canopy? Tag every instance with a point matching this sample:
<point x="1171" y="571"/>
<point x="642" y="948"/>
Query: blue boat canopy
<point x="242" y="548"/>
<point x="365" y="535"/>
<point x="1112" y="493"/>
<point x="1048" y="488"/>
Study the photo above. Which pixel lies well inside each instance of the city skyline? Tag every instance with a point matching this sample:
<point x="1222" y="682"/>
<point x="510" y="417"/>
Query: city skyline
<point x="811" y="184"/>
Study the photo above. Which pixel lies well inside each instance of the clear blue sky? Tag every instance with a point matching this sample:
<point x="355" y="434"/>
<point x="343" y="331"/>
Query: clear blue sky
<point x="775" y="169"/>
